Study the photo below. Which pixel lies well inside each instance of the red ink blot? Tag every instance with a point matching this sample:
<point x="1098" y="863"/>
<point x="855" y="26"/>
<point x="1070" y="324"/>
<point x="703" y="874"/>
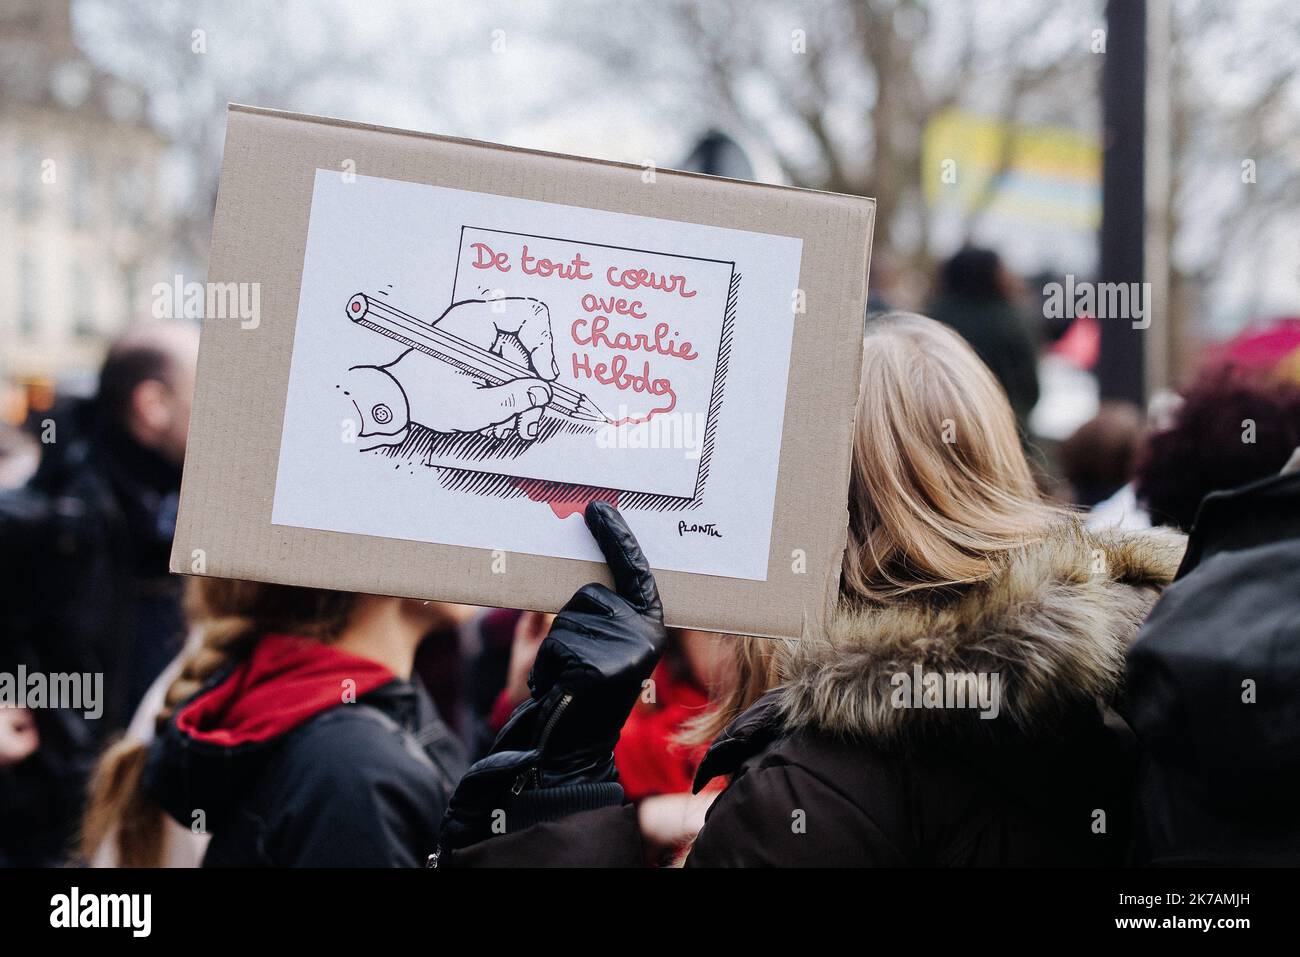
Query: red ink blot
<point x="565" y="500"/>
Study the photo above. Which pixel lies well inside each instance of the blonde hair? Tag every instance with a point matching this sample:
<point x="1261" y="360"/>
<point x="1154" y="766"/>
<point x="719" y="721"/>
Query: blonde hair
<point x="939" y="488"/>
<point x="230" y="617"/>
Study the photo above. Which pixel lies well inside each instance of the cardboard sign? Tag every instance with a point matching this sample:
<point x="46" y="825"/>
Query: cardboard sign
<point x="461" y="344"/>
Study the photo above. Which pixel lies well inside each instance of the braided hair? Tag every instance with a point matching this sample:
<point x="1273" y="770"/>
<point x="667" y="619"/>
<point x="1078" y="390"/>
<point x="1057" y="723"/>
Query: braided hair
<point x="229" y="618"/>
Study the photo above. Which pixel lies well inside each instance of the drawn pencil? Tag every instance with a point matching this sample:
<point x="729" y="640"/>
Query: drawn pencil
<point x="402" y="327"/>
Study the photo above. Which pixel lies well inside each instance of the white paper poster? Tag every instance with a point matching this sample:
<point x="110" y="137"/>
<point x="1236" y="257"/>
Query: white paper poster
<point x="471" y="369"/>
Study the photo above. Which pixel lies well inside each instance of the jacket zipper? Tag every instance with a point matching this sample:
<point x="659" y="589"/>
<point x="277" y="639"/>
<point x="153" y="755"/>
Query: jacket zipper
<point x="541" y="744"/>
<point x="433" y="859"/>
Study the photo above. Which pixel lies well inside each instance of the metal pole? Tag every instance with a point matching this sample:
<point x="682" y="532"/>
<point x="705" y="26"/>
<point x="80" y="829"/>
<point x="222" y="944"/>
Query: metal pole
<point x="1120" y="370"/>
<point x="1162" y="338"/>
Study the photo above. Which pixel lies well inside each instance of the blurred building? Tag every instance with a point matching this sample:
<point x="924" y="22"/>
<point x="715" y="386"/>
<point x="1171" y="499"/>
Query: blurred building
<point x="78" y="205"/>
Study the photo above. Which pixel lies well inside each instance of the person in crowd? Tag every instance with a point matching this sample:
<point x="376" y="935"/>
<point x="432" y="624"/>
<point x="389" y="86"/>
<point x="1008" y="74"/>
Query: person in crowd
<point x="529" y="629"/>
<point x="957" y="708"/>
<point x="19" y="457"/>
<point x="1121" y="509"/>
<point x="1098" y="457"/>
<point x="1233" y="426"/>
<point x="90" y="536"/>
<point x="87" y="589"/>
<point x="655" y="768"/>
<point x="19" y="740"/>
<point x="293" y="735"/>
<point x="656" y="764"/>
<point x="1212" y="689"/>
<point x="458" y="662"/>
<point x="178" y="846"/>
<point x="977" y="296"/>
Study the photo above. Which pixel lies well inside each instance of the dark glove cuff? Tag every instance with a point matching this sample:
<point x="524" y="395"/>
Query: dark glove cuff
<point x="551" y="804"/>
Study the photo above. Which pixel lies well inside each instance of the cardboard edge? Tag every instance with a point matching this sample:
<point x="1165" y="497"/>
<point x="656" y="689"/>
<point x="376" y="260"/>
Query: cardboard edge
<point x="845" y="465"/>
<point x="176" y="564"/>
<point x="548" y="154"/>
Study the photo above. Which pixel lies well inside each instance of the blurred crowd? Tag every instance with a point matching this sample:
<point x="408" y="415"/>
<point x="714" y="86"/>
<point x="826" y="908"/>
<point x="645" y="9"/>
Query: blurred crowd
<point x="219" y="734"/>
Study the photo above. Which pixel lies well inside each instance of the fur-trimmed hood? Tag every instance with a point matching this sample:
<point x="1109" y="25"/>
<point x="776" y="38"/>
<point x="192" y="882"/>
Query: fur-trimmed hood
<point x="1052" y="625"/>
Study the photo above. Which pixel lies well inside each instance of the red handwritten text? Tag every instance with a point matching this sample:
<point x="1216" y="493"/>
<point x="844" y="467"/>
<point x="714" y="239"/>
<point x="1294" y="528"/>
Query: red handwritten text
<point x="615" y="373"/>
<point x="534" y="266"/>
<point x="489" y="258"/>
<point x="615" y="306"/>
<point x="645" y="279"/>
<point x="660" y="344"/>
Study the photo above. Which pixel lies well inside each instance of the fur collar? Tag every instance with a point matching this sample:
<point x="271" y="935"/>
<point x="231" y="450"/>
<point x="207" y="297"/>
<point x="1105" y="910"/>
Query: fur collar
<point x="1053" y="623"/>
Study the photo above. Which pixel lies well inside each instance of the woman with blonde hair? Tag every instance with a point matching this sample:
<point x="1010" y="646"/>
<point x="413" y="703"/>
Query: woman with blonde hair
<point x="292" y="734"/>
<point x="956" y="710"/>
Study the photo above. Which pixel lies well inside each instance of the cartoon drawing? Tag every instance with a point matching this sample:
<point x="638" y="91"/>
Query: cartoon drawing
<point x="499" y="403"/>
<point x="505" y="361"/>
<point x="483" y="366"/>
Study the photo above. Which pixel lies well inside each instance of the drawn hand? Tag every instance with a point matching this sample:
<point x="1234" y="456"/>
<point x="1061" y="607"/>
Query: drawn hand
<point x="426" y="390"/>
<point x="519" y="330"/>
<point x="419" y="388"/>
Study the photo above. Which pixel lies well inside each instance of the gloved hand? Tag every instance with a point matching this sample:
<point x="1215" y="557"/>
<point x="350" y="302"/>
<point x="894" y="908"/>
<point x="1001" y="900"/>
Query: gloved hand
<point x="556" y="753"/>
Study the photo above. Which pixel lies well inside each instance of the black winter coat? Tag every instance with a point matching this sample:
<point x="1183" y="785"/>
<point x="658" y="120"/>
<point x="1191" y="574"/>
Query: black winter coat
<point x="1214" y="689"/>
<point x="84" y="588"/>
<point x="838" y="766"/>
<point x="271" y="761"/>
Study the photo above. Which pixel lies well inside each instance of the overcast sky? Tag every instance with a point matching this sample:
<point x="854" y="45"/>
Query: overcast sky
<point x="532" y="74"/>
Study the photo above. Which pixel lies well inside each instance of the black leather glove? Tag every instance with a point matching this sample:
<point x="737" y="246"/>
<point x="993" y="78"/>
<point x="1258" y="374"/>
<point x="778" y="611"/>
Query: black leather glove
<point x="555" y="755"/>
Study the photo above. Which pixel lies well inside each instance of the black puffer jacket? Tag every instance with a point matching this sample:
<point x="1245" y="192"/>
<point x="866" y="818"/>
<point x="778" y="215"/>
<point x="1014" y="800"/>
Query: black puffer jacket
<point x="304" y="756"/>
<point x="1214" y="689"/>
<point x="830" y="769"/>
